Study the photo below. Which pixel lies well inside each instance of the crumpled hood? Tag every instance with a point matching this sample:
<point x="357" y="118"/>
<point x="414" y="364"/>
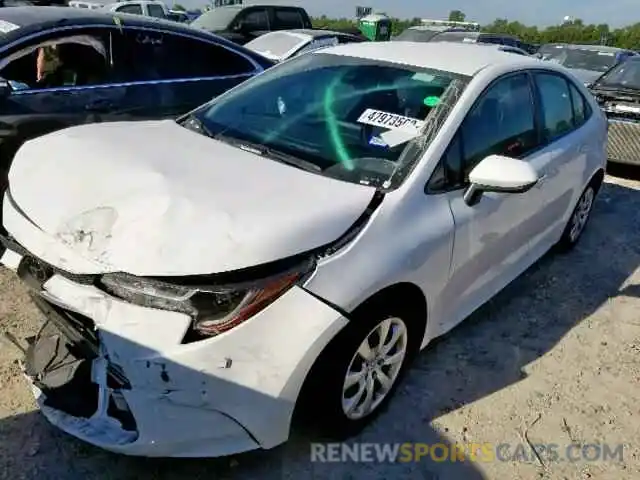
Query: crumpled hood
<point x="153" y="198"/>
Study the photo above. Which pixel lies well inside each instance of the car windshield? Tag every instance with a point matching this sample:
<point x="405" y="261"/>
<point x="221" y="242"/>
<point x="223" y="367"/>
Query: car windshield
<point x="625" y="75"/>
<point x="580" y="59"/>
<point x="276" y="43"/>
<point x="216" y="19"/>
<point x="355" y="119"/>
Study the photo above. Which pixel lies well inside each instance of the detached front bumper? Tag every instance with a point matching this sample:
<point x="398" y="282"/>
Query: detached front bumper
<point x="143" y="392"/>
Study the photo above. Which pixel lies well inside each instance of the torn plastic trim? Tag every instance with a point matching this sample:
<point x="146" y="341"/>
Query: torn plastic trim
<point x="81" y="335"/>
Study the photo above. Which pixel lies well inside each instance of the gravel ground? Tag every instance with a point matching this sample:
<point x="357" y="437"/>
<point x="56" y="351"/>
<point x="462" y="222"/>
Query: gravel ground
<point x="555" y="358"/>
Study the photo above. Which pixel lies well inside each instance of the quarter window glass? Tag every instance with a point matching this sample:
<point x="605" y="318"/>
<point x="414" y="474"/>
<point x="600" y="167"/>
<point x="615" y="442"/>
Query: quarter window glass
<point x="501" y="123"/>
<point x="135" y="9"/>
<point x="288" y="19"/>
<point x="580" y="109"/>
<point x="557" y="111"/>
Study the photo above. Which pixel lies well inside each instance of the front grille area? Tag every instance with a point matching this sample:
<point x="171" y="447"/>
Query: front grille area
<point x="624" y="141"/>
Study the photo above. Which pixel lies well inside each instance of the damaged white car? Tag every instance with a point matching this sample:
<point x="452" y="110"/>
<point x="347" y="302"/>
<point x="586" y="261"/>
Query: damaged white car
<point x="290" y="246"/>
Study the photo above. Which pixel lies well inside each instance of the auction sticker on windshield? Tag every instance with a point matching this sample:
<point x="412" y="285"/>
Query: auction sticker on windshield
<point x="378" y="118"/>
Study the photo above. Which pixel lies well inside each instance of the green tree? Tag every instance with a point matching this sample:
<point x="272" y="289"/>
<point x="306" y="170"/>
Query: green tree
<point x="575" y="31"/>
<point x="456" y="16"/>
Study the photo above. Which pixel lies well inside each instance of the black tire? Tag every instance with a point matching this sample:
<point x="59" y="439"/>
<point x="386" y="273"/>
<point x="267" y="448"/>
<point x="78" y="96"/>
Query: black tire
<point x="319" y="411"/>
<point x="570" y="237"/>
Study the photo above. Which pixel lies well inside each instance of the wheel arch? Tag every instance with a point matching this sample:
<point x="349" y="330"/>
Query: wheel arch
<point x="406" y="296"/>
<point x="597" y="179"/>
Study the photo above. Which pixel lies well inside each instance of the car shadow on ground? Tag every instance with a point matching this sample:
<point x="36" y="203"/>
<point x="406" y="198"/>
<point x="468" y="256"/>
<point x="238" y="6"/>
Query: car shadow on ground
<point x="487" y="353"/>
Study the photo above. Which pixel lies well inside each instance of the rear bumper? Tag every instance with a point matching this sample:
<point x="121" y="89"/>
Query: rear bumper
<point x="624" y="142"/>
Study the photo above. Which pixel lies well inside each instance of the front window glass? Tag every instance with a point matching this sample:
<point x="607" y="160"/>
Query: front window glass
<point x="355" y="119"/>
<point x="625" y="75"/>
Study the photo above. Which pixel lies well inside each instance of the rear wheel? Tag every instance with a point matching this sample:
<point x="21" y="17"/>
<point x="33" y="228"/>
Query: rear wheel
<point x="358" y="373"/>
<point x="578" y="219"/>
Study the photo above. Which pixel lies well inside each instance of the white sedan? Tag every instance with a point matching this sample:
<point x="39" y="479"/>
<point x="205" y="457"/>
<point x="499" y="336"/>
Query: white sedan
<point x="290" y="246"/>
<point x="281" y="45"/>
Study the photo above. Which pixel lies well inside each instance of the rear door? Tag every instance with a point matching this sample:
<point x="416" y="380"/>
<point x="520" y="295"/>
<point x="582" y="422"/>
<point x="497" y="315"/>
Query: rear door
<point x="563" y="111"/>
<point x="163" y="82"/>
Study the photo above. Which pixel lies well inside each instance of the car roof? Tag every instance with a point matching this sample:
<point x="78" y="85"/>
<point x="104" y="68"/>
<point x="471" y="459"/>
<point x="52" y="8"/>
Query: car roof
<point x="459" y="58"/>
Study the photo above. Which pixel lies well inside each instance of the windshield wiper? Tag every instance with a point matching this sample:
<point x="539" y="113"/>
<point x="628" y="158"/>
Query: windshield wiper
<point x="269" y="152"/>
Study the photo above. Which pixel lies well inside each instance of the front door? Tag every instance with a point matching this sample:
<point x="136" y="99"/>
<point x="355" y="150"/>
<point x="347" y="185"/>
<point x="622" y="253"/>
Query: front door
<point x="78" y="93"/>
<point x="491" y="244"/>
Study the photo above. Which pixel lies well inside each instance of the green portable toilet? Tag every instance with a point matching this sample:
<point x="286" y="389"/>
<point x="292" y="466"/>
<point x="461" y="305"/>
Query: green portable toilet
<point x="376" y="27"/>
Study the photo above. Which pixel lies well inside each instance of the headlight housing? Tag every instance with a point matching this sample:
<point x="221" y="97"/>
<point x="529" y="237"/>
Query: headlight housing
<point x="215" y="309"/>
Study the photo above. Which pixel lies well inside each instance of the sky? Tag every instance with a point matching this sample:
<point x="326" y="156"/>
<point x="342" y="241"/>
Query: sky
<point x="533" y="12"/>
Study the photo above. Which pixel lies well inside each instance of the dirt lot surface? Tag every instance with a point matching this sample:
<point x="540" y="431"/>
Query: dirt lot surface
<point x="554" y="359"/>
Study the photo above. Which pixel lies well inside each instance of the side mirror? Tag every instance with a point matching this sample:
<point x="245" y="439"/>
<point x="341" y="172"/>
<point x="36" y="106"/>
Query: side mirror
<point x="497" y="173"/>
<point x="5" y="88"/>
<point x="538" y="56"/>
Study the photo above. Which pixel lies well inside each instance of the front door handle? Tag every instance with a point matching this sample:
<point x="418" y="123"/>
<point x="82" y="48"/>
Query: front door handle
<point x="542" y="180"/>
<point x="584" y="148"/>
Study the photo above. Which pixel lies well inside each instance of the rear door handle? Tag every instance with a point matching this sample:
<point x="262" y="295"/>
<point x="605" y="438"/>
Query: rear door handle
<point x="584" y="148"/>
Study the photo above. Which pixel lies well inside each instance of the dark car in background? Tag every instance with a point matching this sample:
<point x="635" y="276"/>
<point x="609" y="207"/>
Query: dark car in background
<point x="587" y="62"/>
<point x="113" y="67"/>
<point x="242" y="23"/>
<point x="424" y="33"/>
<point x="479" y="37"/>
<point x="618" y="94"/>
<point x="444" y="33"/>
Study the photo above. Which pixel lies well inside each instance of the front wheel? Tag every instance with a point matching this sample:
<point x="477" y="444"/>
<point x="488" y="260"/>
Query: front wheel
<point x="359" y="371"/>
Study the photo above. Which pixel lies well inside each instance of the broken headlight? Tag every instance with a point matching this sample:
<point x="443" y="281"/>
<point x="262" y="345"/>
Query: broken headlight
<point x="214" y="308"/>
